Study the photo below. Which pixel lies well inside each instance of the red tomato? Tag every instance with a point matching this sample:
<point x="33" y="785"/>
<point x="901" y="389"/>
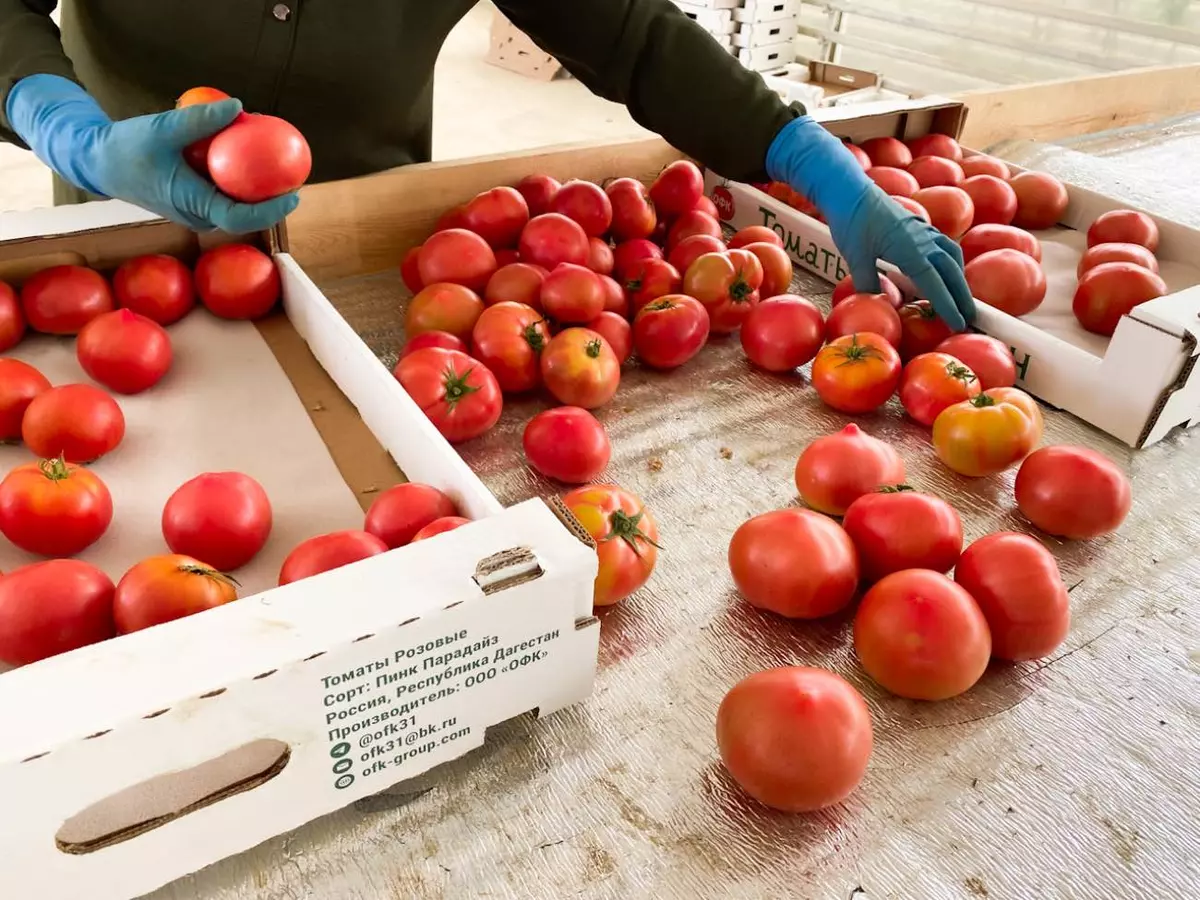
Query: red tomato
<point x="221" y="518"/>
<point x="259" y="157"/>
<point x="865" y="312"/>
<point x="649" y="279"/>
<point x="706" y="206"/>
<point x="506" y="258"/>
<point x="572" y="294"/>
<point x="164" y="588"/>
<point x="845" y="289"/>
<point x="1124" y="226"/>
<point x="794" y="562"/>
<point x="458" y="256"/>
<point x="196" y="153"/>
<point x="980" y="164"/>
<point x="1009" y="280"/>
<point x="691" y="223"/>
<point x="516" y="283"/>
<point x="1112" y="290"/>
<point x="1041" y="200"/>
<point x="887" y="151"/>
<point x="727" y="285"/>
<point x="580" y="368"/>
<point x="442" y="339"/>
<point x="410" y="269"/>
<point x="20" y="383"/>
<point x="933" y="382"/>
<point x="795" y="739"/>
<point x="950" y="209"/>
<point x="626" y="537"/>
<point x="329" y="551"/>
<point x="446" y="307"/>
<point x="776" y="266"/>
<point x="76" y="421"/>
<point x="12" y="320"/>
<point x="755" y="234"/>
<point x="497" y="216"/>
<point x="53" y="607"/>
<point x="157" y="287"/>
<point x="628" y="253"/>
<point x="123" y="351"/>
<point x="837" y="469"/>
<point x="633" y="214"/>
<point x="985" y="238"/>
<point x="440" y="526"/>
<point x="936" y="145"/>
<point x="237" y="281"/>
<point x="62" y="299"/>
<point x="615" y="329"/>
<point x="895" y="182"/>
<point x="614" y="297"/>
<point x="988" y="433"/>
<point x="1106" y="253"/>
<point x="856" y="373"/>
<point x="932" y="171"/>
<point x="921" y="636"/>
<point x="1073" y="492"/>
<point x="921" y="329"/>
<point x="913" y="207"/>
<point x="567" y="444"/>
<point x="897" y="528"/>
<point x="551" y="239"/>
<point x="690" y="249"/>
<point x="538" y="191"/>
<point x="459" y="394"/>
<point x="783" y="333"/>
<point x="859" y="155"/>
<point x="990" y="360"/>
<point x="399" y="513"/>
<point x="585" y="203"/>
<point x="53" y="508"/>
<point x="509" y="339"/>
<point x="600" y="256"/>
<point x="450" y="219"/>
<point x="995" y="200"/>
<point x="670" y="330"/>
<point x="1015" y="582"/>
<point x="677" y="188"/>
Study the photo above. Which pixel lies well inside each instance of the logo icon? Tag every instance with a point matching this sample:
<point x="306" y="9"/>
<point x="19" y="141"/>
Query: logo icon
<point x="723" y="200"/>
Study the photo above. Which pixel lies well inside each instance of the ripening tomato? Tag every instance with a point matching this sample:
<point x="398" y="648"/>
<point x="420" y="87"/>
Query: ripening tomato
<point x="538" y="191"/>
<point x="845" y="289"/>
<point x="776" y="266"/>
<point x="837" y="469"/>
<point x="783" y="333"/>
<point x="796" y="739"/>
<point x="649" y="279"/>
<point x="615" y="329"/>
<point x="400" y="512"/>
<point x="990" y="360"/>
<point x="158" y="287"/>
<point x="933" y="382"/>
<point x="626" y="537"/>
<point x="579" y="368"/>
<point x="443" y="306"/>
<point x="755" y="234"/>
<point x="897" y="528"/>
<point x="553" y="238"/>
<point x="921" y="636"/>
<point x="1041" y="200"/>
<point x="1124" y="226"/>
<point x="985" y="238"/>
<point x="62" y="299"/>
<point x="988" y="433"/>
<point x="53" y="607"/>
<point x="691" y="223"/>
<point x="690" y="249"/>
<point x="440" y="526"/>
<point x="168" y="587"/>
<point x="856" y="373"/>
<point x="54" y="508"/>
<point x="123" y="351"/>
<point x="497" y="216"/>
<point x="193" y="96"/>
<point x="887" y="151"/>
<point x="995" y="200"/>
<point x="1073" y="492"/>
<point x="572" y="294"/>
<point x="329" y="551"/>
<point x="1017" y="586"/>
<point x="1106" y="253"/>
<point x="677" y="188"/>
<point x="509" y="339"/>
<point x="628" y="253"/>
<point x="459" y="394"/>
<point x="600" y="256"/>
<point x="921" y="329"/>
<point x="20" y="383"/>
<point x="872" y="313"/>
<point x="258" y="157"/>
<point x="78" y="422"/>
<point x="932" y="171"/>
<point x="442" y="339"/>
<point x="794" y="562"/>
<point x="981" y="164"/>
<point x="585" y="203"/>
<point x="221" y="518"/>
<point x="12" y="320"/>
<point x="237" y="281"/>
<point x="410" y="269"/>
<point x="458" y="256"/>
<point x="894" y="182"/>
<point x="1011" y="281"/>
<point x="1110" y="291"/>
<point x="727" y="285"/>
<point x="517" y="282"/>
<point x="950" y="209"/>
<point x="670" y="330"/>
<point x="196" y="153"/>
<point x="567" y="444"/>
<point x="633" y="214"/>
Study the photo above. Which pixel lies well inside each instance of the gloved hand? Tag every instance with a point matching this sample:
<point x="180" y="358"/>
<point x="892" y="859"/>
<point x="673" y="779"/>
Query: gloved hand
<point x="866" y="224"/>
<point x="139" y="160"/>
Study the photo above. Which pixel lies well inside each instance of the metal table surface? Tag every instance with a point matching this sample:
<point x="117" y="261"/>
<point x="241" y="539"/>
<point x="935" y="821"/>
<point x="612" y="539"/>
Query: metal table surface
<point x="1075" y="777"/>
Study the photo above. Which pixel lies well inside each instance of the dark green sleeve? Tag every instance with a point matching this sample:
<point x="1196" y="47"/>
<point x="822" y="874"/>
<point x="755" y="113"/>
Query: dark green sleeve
<point x="674" y="78"/>
<point x="29" y="45"/>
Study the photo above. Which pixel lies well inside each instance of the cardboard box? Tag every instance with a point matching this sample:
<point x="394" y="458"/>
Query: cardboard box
<point x="768" y="58"/>
<point x="768" y="10"/>
<point x="130" y="763"/>
<point x="816" y="84"/>
<point x="510" y="48"/>
<point x="763" y="33"/>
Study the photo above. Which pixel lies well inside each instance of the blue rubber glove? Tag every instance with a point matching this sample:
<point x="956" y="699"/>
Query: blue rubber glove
<point x="866" y="224"/>
<point x="139" y="160"/>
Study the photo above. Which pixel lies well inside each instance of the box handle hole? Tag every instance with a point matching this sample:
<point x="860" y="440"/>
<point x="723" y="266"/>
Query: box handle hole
<point x="507" y="569"/>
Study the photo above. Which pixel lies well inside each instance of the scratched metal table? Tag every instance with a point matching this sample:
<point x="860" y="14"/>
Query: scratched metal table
<point x="1077" y="777"/>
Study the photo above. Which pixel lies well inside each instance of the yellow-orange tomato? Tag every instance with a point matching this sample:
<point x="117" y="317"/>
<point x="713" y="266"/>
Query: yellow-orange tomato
<point x="195" y="95"/>
<point x="168" y="587"/>
<point x="580" y="368"/>
<point x="626" y="537"/>
<point x="988" y="433"/>
<point x="856" y="373"/>
<point x="451" y="308"/>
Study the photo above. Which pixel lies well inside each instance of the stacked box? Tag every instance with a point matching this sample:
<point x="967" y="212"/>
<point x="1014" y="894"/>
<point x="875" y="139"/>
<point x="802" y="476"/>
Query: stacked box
<point x="761" y="33"/>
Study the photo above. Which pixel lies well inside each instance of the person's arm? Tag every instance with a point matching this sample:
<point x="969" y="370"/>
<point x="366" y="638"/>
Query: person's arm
<point x="29" y="45"/>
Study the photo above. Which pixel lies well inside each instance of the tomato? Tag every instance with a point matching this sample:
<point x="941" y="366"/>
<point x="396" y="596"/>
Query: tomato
<point x="794" y="562"/>
<point x="856" y="373"/>
<point x="913" y="208"/>
<point x="691" y="223"/>
<point x="517" y="282"/>
<point x="985" y="238"/>
<point x="158" y="287"/>
<point x="329" y="551"/>
<point x="776" y="266"/>
<point x="932" y="171"/>
<point x="450" y="219"/>
<point x="457" y="256"/>
<point x="600" y="256"/>
<point x="981" y="164"/>
<point x="53" y="607"/>
<point x="837" y="469"/>
<point x="509" y="339"/>
<point x="706" y="206"/>
<point x="20" y="383"/>
<point x="783" y="333"/>
<point x="727" y="285"/>
<point x="1110" y="291"/>
<point x="168" y="587"/>
<point x="670" y="330"/>
<point x="755" y="234"/>
<point x="1041" y="200"/>
<point x="1011" y="281"/>
<point x="691" y="248"/>
<point x="894" y="182"/>
<point x="648" y="279"/>
<point x="1124" y="226"/>
<point x="633" y="214"/>
<point x="459" y="394"/>
<point x="400" y="512"/>
<point x="12" y="320"/>
<point x="446" y="307"/>
<point x="237" y="281"/>
<point x="795" y="739"/>
<point x="942" y="145"/>
<point x="506" y="257"/>
<point x="553" y="238"/>
<point x="614" y="297"/>
<point x="995" y="200"/>
<point x="1016" y="583"/>
<point x="258" y="157"/>
<point x="585" y="203"/>
<point x="76" y="421"/>
<point x="1073" y="492"/>
<point x="988" y="433"/>
<point x="538" y="191"/>
<point x="626" y="537"/>
<point x="845" y="289"/>
<point x="62" y="299"/>
<point x="990" y="360"/>
<point x="865" y="313"/>
<point x="887" y="151"/>
<point x="567" y="444"/>
<point x="572" y="294"/>
<point x="123" y="351"/>
<point x="54" y="508"/>
<point x="442" y="339"/>
<point x="1106" y="253"/>
<point x="615" y="329"/>
<point x="921" y="329"/>
<point x="410" y="269"/>
<point x="677" y="188"/>
<point x="440" y="526"/>
<point x="950" y="209"/>
<point x="221" y="518"/>
<point x="628" y="253"/>
<point x="933" y="382"/>
<point x="897" y="528"/>
<point x="580" y="368"/>
<point x="921" y="636"/>
<point x="193" y="96"/>
<point x="497" y="216"/>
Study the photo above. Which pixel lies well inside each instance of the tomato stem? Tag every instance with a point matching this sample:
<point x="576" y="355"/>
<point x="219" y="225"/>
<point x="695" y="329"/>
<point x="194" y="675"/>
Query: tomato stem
<point x="856" y="352"/>
<point x="208" y="572"/>
<point x="533" y="337"/>
<point x="982" y="401"/>
<point x="55" y="469"/>
<point x="456" y="386"/>
<point x="660" y="304"/>
<point x="894" y="489"/>
<point x="628" y="528"/>
<point x="959" y="372"/>
<point x="593" y="348"/>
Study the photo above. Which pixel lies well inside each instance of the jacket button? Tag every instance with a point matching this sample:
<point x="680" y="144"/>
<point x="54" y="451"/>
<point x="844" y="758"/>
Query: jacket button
<point x="281" y="11"/>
